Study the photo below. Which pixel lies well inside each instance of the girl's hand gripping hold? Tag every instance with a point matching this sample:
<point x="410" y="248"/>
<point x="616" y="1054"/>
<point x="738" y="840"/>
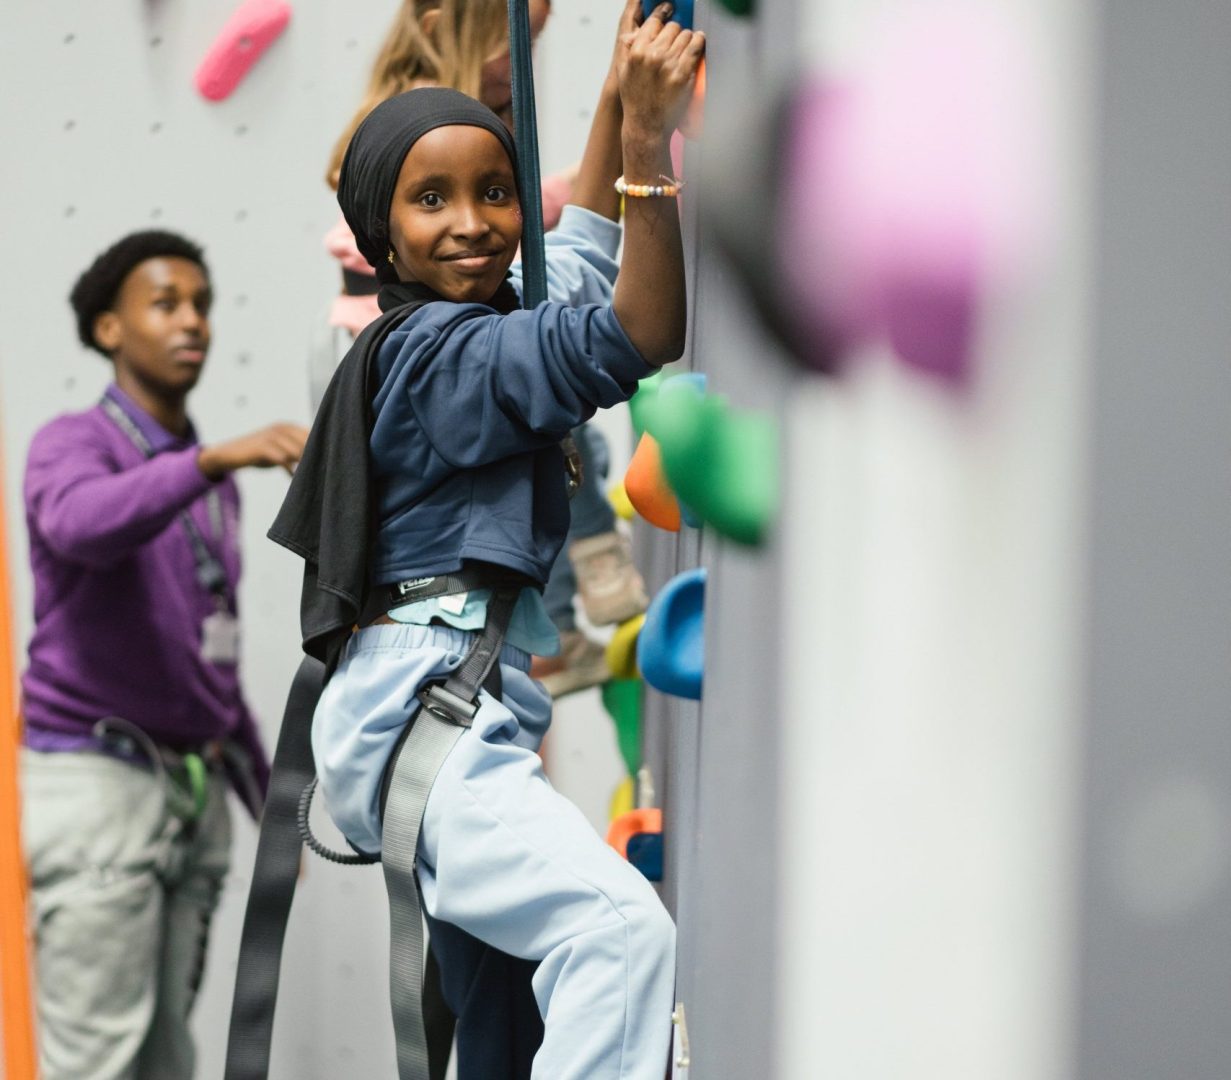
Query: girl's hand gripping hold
<point x="657" y="66"/>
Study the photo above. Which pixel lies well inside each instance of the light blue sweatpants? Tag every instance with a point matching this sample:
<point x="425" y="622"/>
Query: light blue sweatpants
<point x="504" y="856"/>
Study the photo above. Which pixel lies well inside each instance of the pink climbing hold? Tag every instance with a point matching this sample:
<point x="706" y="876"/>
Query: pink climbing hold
<point x="918" y="191"/>
<point x="250" y="30"/>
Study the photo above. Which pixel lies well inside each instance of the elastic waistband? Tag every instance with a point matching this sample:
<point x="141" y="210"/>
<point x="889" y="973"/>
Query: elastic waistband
<point x="414" y="636"/>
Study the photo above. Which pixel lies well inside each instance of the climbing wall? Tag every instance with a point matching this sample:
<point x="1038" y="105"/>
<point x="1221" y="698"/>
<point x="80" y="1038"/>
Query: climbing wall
<point x="719" y="758"/>
<point x="868" y="825"/>
<point x="954" y="802"/>
<point x="715" y="762"/>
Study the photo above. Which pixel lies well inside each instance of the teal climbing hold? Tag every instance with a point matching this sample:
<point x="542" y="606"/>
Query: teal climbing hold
<point x="622" y="700"/>
<point x="738" y="7"/>
<point x="722" y="464"/>
<point x="671" y="647"/>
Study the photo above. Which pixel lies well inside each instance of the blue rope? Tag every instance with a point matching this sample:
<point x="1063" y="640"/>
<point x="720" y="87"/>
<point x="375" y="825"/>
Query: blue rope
<point x="525" y="135"/>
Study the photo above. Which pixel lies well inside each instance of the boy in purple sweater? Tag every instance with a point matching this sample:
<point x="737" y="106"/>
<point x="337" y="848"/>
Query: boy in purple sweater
<point x="131" y="700"/>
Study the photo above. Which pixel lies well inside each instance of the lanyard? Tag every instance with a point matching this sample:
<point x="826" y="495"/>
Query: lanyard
<point x="211" y="574"/>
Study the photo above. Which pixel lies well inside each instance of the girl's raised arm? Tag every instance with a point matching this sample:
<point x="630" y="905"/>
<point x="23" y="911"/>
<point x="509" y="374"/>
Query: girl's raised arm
<point x="657" y="67"/>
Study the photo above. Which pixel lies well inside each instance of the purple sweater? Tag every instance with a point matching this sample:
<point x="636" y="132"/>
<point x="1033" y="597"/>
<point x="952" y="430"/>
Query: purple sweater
<point x="117" y="606"/>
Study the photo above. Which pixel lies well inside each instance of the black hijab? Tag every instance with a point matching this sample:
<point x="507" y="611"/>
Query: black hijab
<point x="380" y="144"/>
<point x="328" y="515"/>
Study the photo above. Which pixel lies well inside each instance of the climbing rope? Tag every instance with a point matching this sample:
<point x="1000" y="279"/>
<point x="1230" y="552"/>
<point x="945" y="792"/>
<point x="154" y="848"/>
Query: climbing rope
<point x="526" y="139"/>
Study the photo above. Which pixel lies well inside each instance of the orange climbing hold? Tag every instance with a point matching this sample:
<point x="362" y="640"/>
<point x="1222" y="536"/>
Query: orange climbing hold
<point x="646" y="486"/>
<point x="694" y="120"/>
<point x="632" y="822"/>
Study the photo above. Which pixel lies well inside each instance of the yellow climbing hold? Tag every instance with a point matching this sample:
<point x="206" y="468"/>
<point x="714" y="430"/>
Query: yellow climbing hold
<point x="622" y="650"/>
<point x="622" y="799"/>
<point x="620" y="502"/>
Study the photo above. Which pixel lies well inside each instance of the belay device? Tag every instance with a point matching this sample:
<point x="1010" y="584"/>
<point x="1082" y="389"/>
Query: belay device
<point x="444" y="713"/>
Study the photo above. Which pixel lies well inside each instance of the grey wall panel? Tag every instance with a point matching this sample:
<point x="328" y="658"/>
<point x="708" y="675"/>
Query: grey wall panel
<point x="721" y="820"/>
<point x="1156" y="927"/>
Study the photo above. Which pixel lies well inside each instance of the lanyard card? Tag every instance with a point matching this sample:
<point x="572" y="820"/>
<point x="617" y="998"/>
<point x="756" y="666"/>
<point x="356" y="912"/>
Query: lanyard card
<point x="220" y="638"/>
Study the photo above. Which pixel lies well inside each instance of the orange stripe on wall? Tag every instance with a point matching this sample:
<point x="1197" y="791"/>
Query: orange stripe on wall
<point x="18" y="1023"/>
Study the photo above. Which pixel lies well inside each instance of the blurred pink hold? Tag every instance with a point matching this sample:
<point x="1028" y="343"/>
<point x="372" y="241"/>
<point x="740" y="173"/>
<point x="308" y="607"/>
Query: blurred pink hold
<point x="915" y="191"/>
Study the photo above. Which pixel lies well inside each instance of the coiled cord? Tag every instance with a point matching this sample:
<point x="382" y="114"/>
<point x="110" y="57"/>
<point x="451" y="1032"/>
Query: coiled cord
<point x="356" y="858"/>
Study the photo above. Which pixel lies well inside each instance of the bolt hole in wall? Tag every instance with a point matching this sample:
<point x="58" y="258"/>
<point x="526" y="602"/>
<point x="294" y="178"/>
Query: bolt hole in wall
<point x="136" y="145"/>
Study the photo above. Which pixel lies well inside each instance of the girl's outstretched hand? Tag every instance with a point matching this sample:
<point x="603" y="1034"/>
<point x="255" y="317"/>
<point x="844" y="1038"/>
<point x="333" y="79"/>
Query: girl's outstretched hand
<point x="657" y="65"/>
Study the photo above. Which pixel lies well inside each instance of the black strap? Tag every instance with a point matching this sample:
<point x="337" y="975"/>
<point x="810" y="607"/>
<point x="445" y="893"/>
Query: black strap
<point x="359" y="283"/>
<point x="457" y="698"/>
<point x="386" y="598"/>
<point x="211" y="574"/>
<point x="273" y="883"/>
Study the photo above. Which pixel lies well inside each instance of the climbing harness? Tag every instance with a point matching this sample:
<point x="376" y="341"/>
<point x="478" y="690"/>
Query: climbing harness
<point x="446" y="708"/>
<point x="446" y="711"/>
<point x="184" y="778"/>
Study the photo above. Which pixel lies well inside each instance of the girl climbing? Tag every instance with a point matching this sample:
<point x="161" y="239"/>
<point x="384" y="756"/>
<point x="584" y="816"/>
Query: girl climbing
<point x="429" y="508"/>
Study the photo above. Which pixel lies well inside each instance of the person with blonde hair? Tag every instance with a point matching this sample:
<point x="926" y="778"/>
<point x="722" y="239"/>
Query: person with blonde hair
<point x="459" y="43"/>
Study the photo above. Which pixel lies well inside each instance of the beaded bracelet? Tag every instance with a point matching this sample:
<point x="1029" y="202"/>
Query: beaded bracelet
<point x="667" y="190"/>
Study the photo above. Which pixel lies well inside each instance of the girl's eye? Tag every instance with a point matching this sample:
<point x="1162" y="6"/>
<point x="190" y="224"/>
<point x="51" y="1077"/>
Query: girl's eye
<point x="495" y="193"/>
<point x="166" y="305"/>
<point x="431" y="200"/>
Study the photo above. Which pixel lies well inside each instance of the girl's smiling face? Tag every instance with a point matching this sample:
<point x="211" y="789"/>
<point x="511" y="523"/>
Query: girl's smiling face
<point x="455" y="223"/>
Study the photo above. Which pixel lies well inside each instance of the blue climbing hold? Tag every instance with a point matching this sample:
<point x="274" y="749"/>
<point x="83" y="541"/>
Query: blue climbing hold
<point x="645" y="852"/>
<point x="682" y="13"/>
<point x="671" y="647"/>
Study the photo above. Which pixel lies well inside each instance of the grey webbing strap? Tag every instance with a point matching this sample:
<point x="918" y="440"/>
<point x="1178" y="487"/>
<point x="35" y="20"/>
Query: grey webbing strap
<point x="433" y="733"/>
<point x="423" y="753"/>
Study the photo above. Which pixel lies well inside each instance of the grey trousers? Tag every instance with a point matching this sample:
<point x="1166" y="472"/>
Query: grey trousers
<point x="122" y="894"/>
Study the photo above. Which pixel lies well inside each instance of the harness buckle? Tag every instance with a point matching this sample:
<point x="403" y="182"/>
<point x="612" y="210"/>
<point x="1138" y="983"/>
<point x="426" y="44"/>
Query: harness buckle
<point x="448" y="706"/>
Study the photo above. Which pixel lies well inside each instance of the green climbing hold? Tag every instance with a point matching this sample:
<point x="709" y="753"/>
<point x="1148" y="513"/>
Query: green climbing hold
<point x="622" y="700"/>
<point x="642" y="401"/>
<point x="722" y="463"/>
<point x="738" y="7"/>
